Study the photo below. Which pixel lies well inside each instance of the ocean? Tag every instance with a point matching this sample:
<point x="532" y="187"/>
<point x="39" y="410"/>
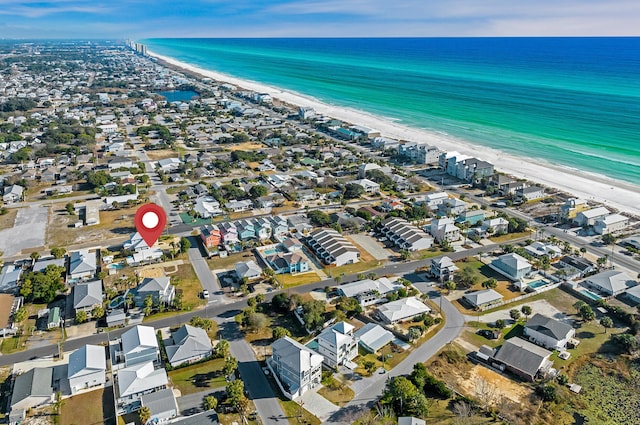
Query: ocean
<point x="573" y="102"/>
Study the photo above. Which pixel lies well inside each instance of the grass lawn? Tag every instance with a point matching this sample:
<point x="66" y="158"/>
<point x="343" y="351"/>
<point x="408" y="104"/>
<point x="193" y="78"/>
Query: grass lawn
<point x="217" y="263"/>
<point x="7" y="220"/>
<point x="187" y="219"/>
<point x="176" y="189"/>
<point x="246" y="146"/>
<point x="87" y="408"/>
<point x="472" y="337"/>
<point x="188" y="283"/>
<point x="12" y="345"/>
<point x="338" y="396"/>
<point x="289" y="281"/>
<point x="199" y="377"/>
<point x="510" y="237"/>
<point x="426" y="253"/>
<point x="348" y="269"/>
<point x="157" y="154"/>
<point x="292" y="411"/>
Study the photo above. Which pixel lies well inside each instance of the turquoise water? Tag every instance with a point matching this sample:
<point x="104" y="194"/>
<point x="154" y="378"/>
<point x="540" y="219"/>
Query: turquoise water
<point x="537" y="283"/>
<point x="179" y="95"/>
<point x="271" y="251"/>
<point x="116" y="266"/>
<point x="591" y="295"/>
<point x="313" y="344"/>
<point x="570" y="101"/>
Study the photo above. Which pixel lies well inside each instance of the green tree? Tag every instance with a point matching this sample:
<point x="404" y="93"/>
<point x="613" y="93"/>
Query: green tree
<point x="81" y="316"/>
<point x="405" y="255"/>
<point x="318" y="218"/>
<point x="467" y="277"/>
<point x="578" y="305"/>
<point x="490" y="283"/>
<point x="260" y="298"/>
<point x="20" y="315"/>
<point x="514" y="314"/>
<point x="35" y="256"/>
<point x="626" y="341"/>
<point x="148" y="305"/>
<point x="414" y="333"/>
<point x="144" y="414"/>
<point x="201" y="322"/>
<point x="26" y="289"/>
<point x="500" y="324"/>
<point x="230" y="365"/>
<point x="258" y="191"/>
<point x="98" y="312"/>
<point x="606" y="323"/>
<point x="252" y="302"/>
<point x="210" y="403"/>
<point x="58" y="252"/>
<point x="58" y="403"/>
<point x="313" y="316"/>
<point x="587" y="313"/>
<point x="526" y="310"/>
<point x="352" y="191"/>
<point x="184" y="244"/>
<point x="222" y="349"/>
<point x="235" y="393"/>
<point x="257" y="322"/>
<point x="280" y="332"/>
<point x="70" y="208"/>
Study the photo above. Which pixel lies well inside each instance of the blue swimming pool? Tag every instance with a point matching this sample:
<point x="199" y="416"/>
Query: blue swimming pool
<point x="590" y="295"/>
<point x="116" y="266"/>
<point x="271" y="251"/>
<point x="537" y="283"/>
<point x="313" y="344"/>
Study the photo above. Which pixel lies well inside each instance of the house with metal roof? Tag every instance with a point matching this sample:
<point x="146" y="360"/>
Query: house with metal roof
<point x="337" y="344"/>
<point x="372" y="337"/>
<point x="443" y="268"/>
<point x="136" y="381"/>
<point x="87" y="367"/>
<point x="31" y="389"/>
<point x="482" y="298"/>
<point x="512" y="266"/>
<point x="297" y="368"/>
<point x="610" y="282"/>
<point x="162" y="405"/>
<point x="82" y="264"/>
<point x="139" y="345"/>
<point x="159" y="288"/>
<point x="523" y="358"/>
<point x="87" y="295"/>
<point x="332" y="248"/>
<point x="550" y="333"/>
<point x="405" y="235"/>
<point x="367" y="291"/>
<point x="190" y="344"/>
<point x="401" y="310"/>
<point x="249" y="269"/>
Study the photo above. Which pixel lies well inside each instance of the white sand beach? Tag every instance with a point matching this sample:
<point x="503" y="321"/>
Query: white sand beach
<point x="620" y="195"/>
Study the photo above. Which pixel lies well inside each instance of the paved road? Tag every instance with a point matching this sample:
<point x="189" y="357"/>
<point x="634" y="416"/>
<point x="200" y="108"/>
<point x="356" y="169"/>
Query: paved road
<point x="190" y="404"/>
<point x="205" y="276"/>
<point x="374" y="388"/>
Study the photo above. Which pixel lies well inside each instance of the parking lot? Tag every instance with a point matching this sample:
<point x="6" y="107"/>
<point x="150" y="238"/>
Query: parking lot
<point x="372" y="246"/>
<point x="28" y="231"/>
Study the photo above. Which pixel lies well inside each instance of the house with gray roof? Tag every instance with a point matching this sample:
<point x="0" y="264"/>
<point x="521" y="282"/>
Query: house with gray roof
<point x="410" y="420"/>
<point x="337" y="344"/>
<point x="87" y="295"/>
<point x="139" y="345"/>
<point x="190" y="344"/>
<point x="87" y="367"/>
<point x="372" y="337"/>
<point x="159" y="288"/>
<point x="512" y="266"/>
<point x="136" y="381"/>
<point x="367" y="291"/>
<point x="31" y="389"/>
<point x="484" y="298"/>
<point x="401" y="310"/>
<point x="249" y="269"/>
<point x="610" y="282"/>
<point x="42" y="263"/>
<point x="523" y="358"/>
<point x="162" y="405"/>
<point x="13" y="194"/>
<point x="82" y="264"/>
<point x="296" y="367"/>
<point x="550" y="333"/>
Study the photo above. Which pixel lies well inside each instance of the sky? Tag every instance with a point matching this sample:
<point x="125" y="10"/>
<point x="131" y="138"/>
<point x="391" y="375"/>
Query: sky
<point x="136" y="19"/>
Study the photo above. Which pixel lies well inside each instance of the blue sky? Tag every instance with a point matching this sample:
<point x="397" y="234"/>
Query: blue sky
<point x="315" y="18"/>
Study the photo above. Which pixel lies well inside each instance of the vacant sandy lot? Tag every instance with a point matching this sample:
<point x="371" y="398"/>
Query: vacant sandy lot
<point x="28" y="232"/>
<point x="485" y="384"/>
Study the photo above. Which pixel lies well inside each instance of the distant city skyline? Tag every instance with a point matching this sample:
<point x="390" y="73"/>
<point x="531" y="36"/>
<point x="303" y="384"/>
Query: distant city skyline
<point x="316" y="18"/>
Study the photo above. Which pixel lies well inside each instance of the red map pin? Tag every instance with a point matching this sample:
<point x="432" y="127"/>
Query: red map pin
<point x="150" y="221"/>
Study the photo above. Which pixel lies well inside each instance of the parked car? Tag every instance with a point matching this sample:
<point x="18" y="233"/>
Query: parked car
<point x="205" y="294"/>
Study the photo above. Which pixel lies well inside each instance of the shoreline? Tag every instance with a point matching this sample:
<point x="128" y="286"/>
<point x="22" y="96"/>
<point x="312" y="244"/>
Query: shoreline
<point x="620" y="195"/>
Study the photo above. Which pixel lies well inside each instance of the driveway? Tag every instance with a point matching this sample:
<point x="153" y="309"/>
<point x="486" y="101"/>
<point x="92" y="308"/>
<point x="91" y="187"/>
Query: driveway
<point x="372" y="246"/>
<point x="191" y="404"/>
<point x="318" y="405"/>
<point x="540" y="306"/>
<point x="28" y="231"/>
<point x="204" y="273"/>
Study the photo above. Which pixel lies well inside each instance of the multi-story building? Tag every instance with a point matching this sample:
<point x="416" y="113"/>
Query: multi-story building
<point x="296" y="367"/>
<point x="332" y="248"/>
<point x="337" y="344"/>
<point x="405" y="235"/>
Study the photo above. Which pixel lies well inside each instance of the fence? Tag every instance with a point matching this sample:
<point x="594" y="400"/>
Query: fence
<point x="521" y="297"/>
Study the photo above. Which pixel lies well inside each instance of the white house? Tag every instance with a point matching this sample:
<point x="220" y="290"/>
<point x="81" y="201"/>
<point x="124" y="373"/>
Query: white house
<point x="190" y="344"/>
<point x="401" y="310"/>
<point x="444" y="229"/>
<point x="368" y="292"/>
<point x="138" y="380"/>
<point x="499" y="225"/>
<point x="207" y="206"/>
<point x="296" y="367"/>
<point x="87" y="367"/>
<point x="482" y="298"/>
<point x="139" y="345"/>
<point x="405" y="235"/>
<point x="540" y="249"/>
<point x="12" y="193"/>
<point x="82" y="264"/>
<point x="368" y="185"/>
<point x="337" y="344"/>
<point x="332" y="248"/>
<point x="159" y="288"/>
<point x="610" y="282"/>
<point x="442" y="268"/>
<point x="249" y="269"/>
<point x="87" y="295"/>
<point x="550" y="333"/>
<point x="610" y="224"/>
<point x="589" y="217"/>
<point x="512" y="266"/>
<point x="433" y="200"/>
<point x="239" y="206"/>
<point x="372" y="337"/>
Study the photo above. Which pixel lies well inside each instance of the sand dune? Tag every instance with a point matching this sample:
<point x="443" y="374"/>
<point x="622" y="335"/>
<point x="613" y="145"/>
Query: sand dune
<point x="598" y="188"/>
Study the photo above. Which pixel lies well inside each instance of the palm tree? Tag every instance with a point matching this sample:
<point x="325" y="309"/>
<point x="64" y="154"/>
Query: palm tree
<point x="144" y="414"/>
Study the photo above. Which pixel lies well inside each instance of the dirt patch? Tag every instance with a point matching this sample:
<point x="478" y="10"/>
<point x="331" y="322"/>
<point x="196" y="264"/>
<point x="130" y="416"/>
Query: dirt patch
<point x="159" y="154"/>
<point x="152" y="272"/>
<point x="7" y="220"/>
<point x="113" y="224"/>
<point x="6" y="301"/>
<point x="484" y="382"/>
<point x="247" y="146"/>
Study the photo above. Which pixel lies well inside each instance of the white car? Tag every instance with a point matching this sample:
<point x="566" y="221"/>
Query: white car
<point x="205" y="294"/>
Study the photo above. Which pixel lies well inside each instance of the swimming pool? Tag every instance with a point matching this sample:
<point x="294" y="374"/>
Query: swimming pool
<point x="271" y="251"/>
<point x="537" y="283"/>
<point x="313" y="344"/>
<point x="590" y="295"/>
<point x="116" y="266"/>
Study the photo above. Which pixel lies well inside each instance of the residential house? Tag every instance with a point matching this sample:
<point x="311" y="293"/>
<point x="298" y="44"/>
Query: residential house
<point x="139" y="345"/>
<point x="82" y="264"/>
<point x="571" y="208"/>
<point x="372" y="337"/>
<point x="512" y="266"/>
<point x="392" y="204"/>
<point x="498" y="225"/>
<point x="116" y="317"/>
<point x="31" y="389"/>
<point x="405" y="235"/>
<point x="368" y="292"/>
<point x="53" y="318"/>
<point x="452" y="207"/>
<point x="332" y="248"/>
<point x="369" y="186"/>
<point x="300" y="223"/>
<point x="442" y="268"/>
<point x="248" y="269"/>
<point x="12" y="194"/>
<point x="87" y="296"/>
<point x="119" y="162"/>
<point x="611" y="224"/>
<point x="207" y="206"/>
<point x="296" y="367"/>
<point x="610" y="282"/>
<point x="347" y="221"/>
<point x="433" y="200"/>
<point x="137" y="380"/>
<point x="484" y="298"/>
<point x="531" y="193"/>
<point x="279" y="226"/>
<point x="401" y="310"/>
<point x="419" y="152"/>
<point x="550" y="333"/>
<point x="575" y="266"/>
<point x="589" y="217"/>
<point x="50" y="174"/>
<point x="9" y="278"/>
<point x="239" y="206"/>
<point x="384" y="144"/>
<point x="337" y="344"/>
<point x="163" y="406"/>
<point x="472" y="217"/>
<point x="229" y="233"/>
<point x="289" y="262"/>
<point x="190" y="344"/>
<point x="159" y="288"/>
<point x="444" y="230"/>
<point x="87" y="367"/>
<point x="169" y="164"/>
<point x="523" y="358"/>
<point x="211" y="235"/>
<point x="540" y="249"/>
<point x="472" y="169"/>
